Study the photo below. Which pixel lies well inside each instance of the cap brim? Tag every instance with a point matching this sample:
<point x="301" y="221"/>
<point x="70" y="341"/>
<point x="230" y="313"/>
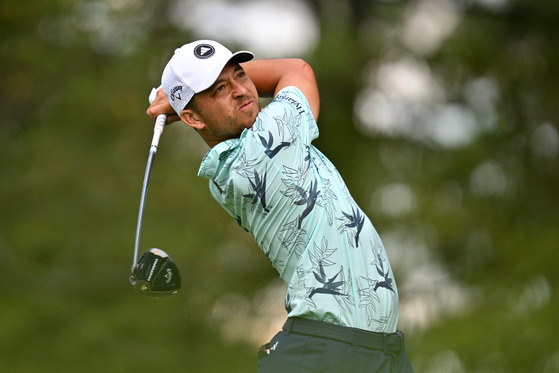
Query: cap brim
<point x="242" y="56"/>
<point x="239" y="57"/>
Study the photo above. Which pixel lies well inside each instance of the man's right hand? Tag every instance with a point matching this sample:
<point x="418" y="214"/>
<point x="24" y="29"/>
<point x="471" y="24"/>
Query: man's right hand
<point x="162" y="106"/>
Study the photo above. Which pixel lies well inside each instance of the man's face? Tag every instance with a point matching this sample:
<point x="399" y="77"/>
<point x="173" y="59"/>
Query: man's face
<point x="229" y="106"/>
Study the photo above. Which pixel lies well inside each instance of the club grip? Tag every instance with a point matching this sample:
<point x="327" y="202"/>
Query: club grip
<point x="158" y="129"/>
<point x="159" y="121"/>
<point x="152" y="95"/>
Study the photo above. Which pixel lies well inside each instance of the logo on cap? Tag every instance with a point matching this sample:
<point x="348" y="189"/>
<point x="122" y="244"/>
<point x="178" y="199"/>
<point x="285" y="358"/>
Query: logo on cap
<point x="176" y="93"/>
<point x="204" y="51"/>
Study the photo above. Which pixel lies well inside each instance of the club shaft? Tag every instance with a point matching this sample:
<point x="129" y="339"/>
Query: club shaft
<point x="157" y="131"/>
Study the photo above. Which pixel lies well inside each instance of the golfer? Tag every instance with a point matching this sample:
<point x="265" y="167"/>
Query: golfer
<point x="342" y="300"/>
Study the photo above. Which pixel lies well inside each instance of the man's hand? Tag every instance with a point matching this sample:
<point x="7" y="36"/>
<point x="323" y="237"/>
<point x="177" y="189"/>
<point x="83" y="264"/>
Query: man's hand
<point x="161" y="106"/>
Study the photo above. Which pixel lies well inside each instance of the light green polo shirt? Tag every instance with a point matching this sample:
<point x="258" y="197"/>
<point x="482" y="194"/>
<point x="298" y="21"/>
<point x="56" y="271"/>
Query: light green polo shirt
<point x="291" y="199"/>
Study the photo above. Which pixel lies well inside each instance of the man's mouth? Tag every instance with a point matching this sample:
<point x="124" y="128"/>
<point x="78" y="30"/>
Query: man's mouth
<point x="246" y="105"/>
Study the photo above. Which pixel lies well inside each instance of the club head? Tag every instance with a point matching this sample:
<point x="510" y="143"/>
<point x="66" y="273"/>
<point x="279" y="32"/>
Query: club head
<point x="155" y="274"/>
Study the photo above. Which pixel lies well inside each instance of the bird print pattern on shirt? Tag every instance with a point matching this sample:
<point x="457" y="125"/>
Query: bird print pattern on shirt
<point x="280" y="189"/>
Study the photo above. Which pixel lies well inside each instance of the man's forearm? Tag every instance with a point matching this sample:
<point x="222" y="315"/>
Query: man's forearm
<point x="267" y="74"/>
<point x="270" y="76"/>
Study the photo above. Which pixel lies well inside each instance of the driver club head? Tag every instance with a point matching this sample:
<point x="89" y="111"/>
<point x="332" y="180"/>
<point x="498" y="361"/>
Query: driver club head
<point x="155" y="274"/>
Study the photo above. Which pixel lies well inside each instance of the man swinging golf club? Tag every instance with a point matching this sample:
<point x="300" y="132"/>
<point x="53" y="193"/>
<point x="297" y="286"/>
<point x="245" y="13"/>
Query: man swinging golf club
<point x="342" y="300"/>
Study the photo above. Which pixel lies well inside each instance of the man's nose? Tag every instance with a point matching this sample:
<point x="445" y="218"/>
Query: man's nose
<point x="239" y="89"/>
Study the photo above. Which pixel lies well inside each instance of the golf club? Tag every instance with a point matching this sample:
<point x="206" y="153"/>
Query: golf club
<point x="155" y="274"/>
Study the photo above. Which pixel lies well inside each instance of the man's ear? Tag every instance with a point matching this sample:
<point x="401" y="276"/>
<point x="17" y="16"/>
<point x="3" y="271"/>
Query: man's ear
<point x="191" y="118"/>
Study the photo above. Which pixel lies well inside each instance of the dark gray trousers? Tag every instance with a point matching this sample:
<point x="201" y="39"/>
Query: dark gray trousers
<point x="297" y="353"/>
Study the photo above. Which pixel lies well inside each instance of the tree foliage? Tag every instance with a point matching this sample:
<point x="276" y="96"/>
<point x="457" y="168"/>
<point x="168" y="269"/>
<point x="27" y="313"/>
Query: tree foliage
<point x="471" y="227"/>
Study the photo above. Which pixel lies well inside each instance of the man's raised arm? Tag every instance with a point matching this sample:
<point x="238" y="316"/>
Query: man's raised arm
<point x="270" y="76"/>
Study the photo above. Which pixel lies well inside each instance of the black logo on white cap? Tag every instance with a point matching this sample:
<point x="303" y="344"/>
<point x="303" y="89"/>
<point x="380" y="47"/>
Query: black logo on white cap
<point x="176" y="93"/>
<point x="204" y="51"/>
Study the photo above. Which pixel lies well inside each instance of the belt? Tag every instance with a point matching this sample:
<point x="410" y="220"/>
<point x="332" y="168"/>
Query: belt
<point x="390" y="343"/>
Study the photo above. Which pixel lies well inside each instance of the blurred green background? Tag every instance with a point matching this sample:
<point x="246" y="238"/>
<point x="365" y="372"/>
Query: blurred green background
<point x="442" y="116"/>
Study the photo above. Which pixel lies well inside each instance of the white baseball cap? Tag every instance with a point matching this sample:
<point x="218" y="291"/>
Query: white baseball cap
<point x="194" y="68"/>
